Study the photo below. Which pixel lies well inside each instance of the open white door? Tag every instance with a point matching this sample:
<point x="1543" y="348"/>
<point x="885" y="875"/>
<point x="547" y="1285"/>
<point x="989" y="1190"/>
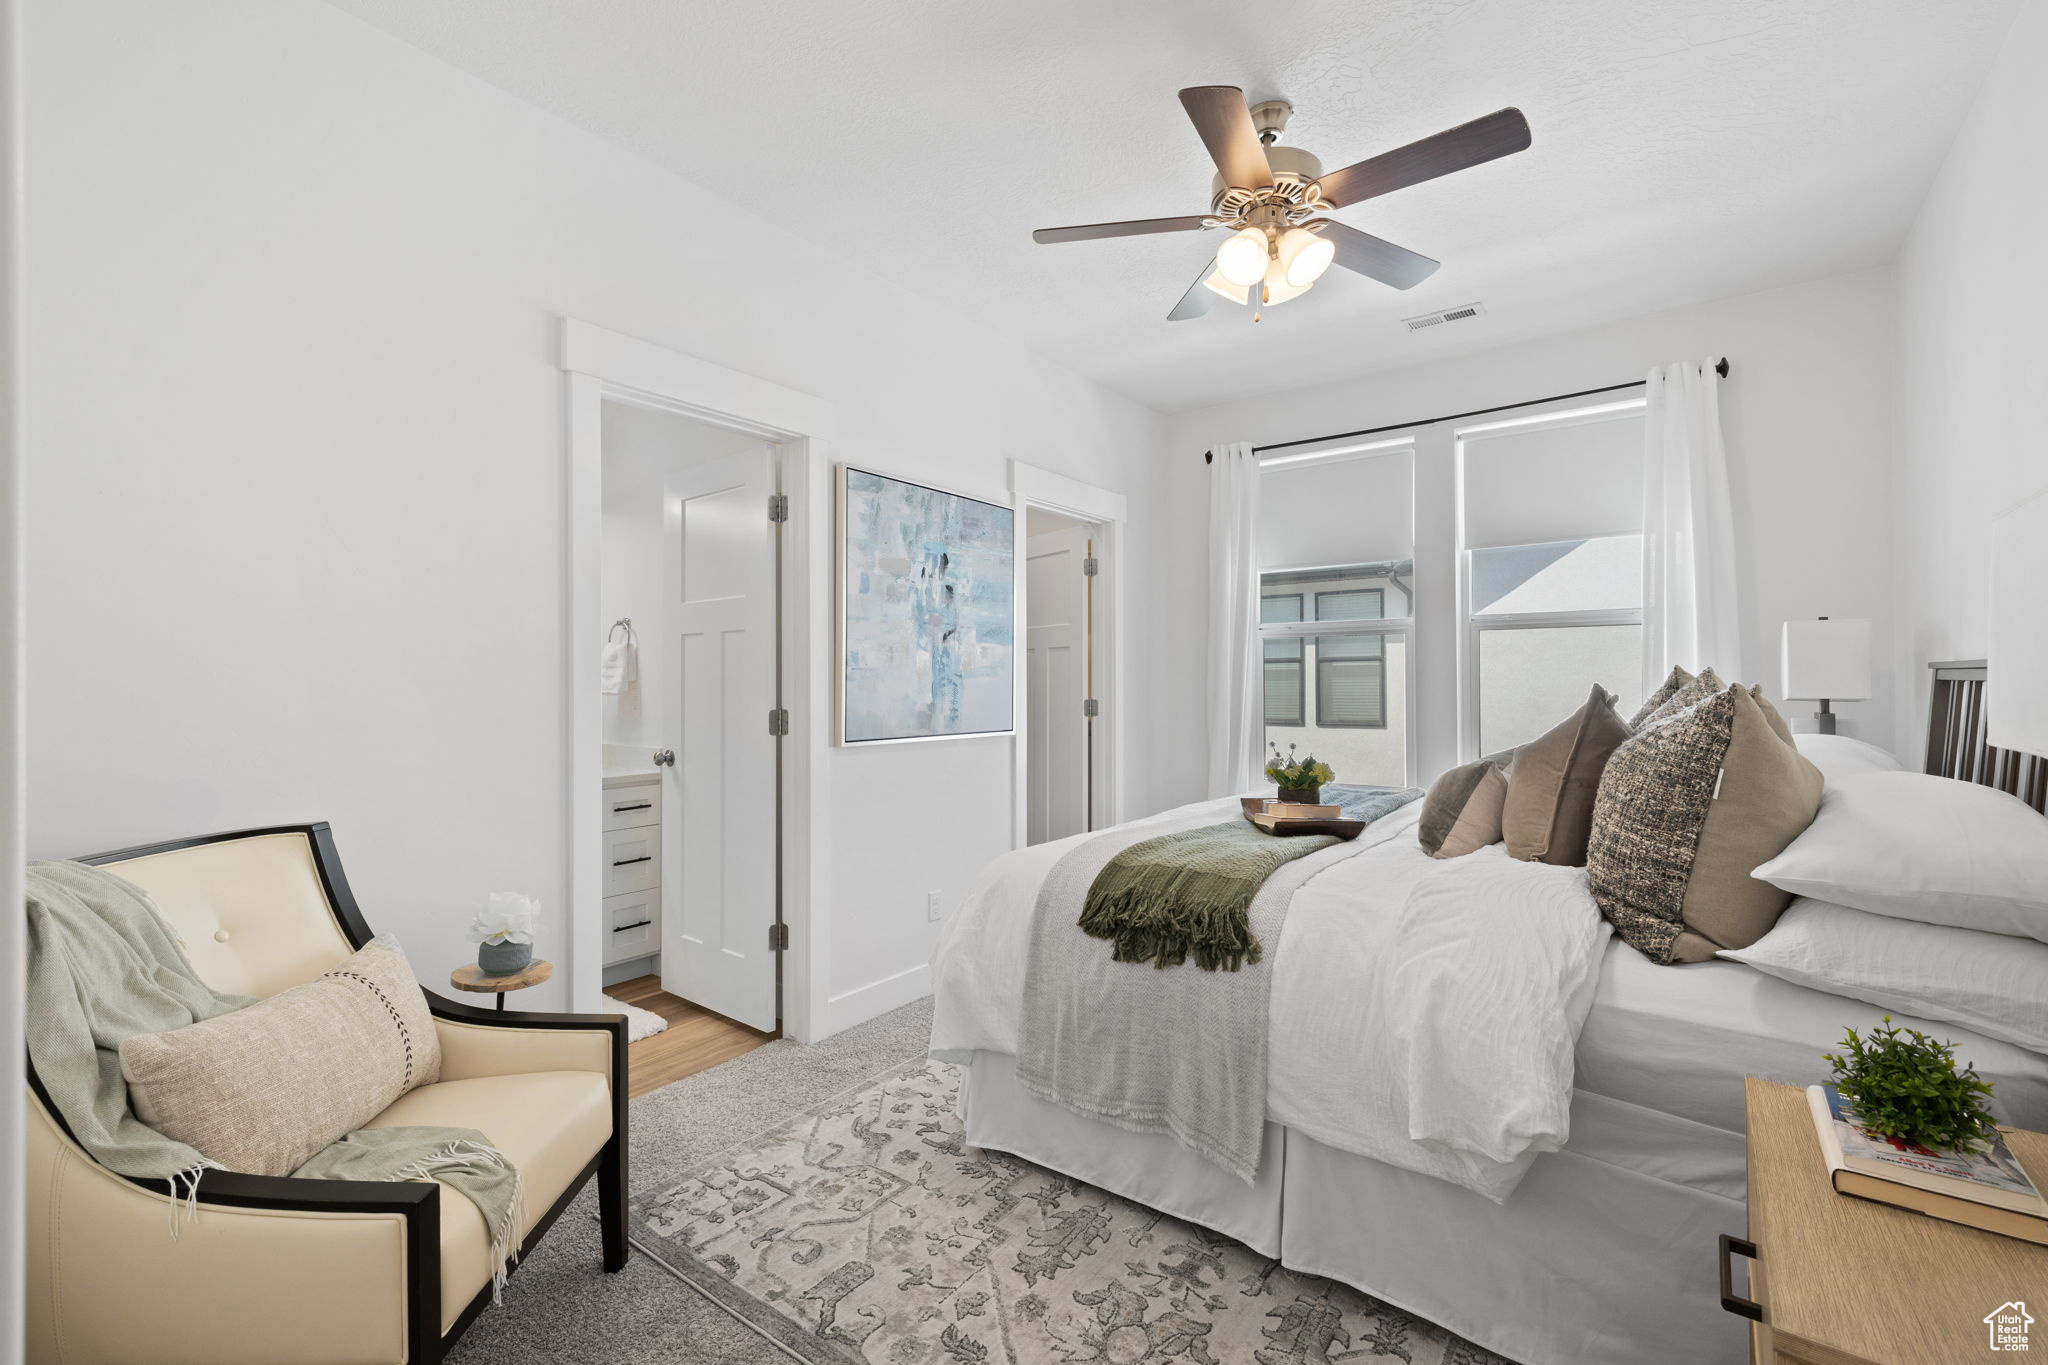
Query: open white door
<point x="718" y="827"/>
<point x="1056" y="684"/>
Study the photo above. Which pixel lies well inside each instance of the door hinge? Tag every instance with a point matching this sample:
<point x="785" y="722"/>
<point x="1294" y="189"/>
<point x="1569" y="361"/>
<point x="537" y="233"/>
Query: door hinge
<point x="778" y="722"/>
<point x="1089" y="566"/>
<point x="778" y="938"/>
<point x="778" y="507"/>
<point x="1091" y="707"/>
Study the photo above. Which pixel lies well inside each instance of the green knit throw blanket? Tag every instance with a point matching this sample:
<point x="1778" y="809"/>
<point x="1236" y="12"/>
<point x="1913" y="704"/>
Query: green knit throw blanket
<point x="1187" y="894"/>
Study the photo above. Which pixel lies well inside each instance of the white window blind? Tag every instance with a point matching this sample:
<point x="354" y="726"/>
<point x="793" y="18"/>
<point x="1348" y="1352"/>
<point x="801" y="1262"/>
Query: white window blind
<point x="1531" y="485"/>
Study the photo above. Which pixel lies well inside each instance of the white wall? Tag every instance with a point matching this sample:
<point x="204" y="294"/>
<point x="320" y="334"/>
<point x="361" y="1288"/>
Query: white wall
<point x="642" y="449"/>
<point x="297" y="480"/>
<point x="1973" y="381"/>
<point x="1808" y="418"/>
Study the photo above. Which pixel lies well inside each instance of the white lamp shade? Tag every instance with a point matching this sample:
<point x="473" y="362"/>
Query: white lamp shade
<point x="1276" y="285"/>
<point x="1827" y="660"/>
<point x="1242" y="257"/>
<point x="2016" y="652"/>
<point x="1236" y="293"/>
<point x="1304" y="256"/>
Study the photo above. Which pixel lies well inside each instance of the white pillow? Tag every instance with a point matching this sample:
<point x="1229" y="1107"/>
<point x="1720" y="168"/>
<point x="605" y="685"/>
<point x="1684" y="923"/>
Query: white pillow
<point x="1924" y="848"/>
<point x="1838" y="756"/>
<point x="1993" y="983"/>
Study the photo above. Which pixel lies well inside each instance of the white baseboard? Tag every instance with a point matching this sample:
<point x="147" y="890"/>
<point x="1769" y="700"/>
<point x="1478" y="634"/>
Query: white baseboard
<point x="863" y="1003"/>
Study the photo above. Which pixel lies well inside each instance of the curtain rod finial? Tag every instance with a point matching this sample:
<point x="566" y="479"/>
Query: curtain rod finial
<point x="1208" y="457"/>
<point x="1721" y="367"/>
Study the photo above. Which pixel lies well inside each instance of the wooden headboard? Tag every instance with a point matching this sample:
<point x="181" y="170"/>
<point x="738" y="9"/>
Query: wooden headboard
<point x="1955" y="738"/>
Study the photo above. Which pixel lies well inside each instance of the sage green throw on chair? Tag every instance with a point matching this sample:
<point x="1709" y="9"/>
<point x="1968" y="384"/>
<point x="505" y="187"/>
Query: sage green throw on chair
<point x="1185" y="895"/>
<point x="105" y="968"/>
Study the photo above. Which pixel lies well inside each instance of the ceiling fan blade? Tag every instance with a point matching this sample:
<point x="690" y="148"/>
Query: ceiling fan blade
<point x="1378" y="259"/>
<point x="1498" y="134"/>
<point x="1199" y="299"/>
<point x="1225" y="123"/>
<point x="1135" y="227"/>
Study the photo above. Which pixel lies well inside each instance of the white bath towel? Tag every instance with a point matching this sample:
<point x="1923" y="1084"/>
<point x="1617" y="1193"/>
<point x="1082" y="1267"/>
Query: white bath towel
<point x="619" y="668"/>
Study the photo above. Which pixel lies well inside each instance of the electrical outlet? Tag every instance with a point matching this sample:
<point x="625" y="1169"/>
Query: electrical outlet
<point x="931" y="906"/>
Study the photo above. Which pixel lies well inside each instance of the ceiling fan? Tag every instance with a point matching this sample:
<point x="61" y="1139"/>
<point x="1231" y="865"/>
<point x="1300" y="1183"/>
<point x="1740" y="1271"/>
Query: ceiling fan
<point x="1271" y="198"/>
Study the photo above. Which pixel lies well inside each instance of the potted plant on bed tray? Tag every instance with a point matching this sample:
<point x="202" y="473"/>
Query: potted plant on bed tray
<point x="1300" y="780"/>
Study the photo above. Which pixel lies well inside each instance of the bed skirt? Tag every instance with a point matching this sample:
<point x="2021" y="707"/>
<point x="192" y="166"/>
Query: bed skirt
<point x="1605" y="1254"/>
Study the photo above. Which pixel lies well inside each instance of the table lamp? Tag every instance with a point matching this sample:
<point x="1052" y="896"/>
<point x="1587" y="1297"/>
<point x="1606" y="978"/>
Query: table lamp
<point x="1827" y="660"/>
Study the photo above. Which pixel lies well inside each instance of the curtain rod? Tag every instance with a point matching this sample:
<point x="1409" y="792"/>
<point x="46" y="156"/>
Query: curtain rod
<point x="1208" y="456"/>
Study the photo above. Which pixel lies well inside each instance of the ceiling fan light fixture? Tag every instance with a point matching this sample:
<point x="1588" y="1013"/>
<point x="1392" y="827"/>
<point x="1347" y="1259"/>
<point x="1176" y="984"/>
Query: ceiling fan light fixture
<point x="1278" y="288"/>
<point x="1236" y="293"/>
<point x="1242" y="259"/>
<point x="1304" y="256"/>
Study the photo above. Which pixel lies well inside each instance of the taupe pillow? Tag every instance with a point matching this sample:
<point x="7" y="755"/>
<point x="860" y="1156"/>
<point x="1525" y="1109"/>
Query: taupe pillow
<point x="263" y="1089"/>
<point x="1549" y="808"/>
<point x="1689" y="807"/>
<point x="1462" y="812"/>
<point x="1776" y="721"/>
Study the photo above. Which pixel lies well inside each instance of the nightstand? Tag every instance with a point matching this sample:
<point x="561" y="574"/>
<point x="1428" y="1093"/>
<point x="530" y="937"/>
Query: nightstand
<point x="1838" y="1280"/>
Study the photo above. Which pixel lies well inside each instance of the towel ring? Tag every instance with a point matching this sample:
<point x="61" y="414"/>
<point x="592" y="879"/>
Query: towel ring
<point x="625" y="621"/>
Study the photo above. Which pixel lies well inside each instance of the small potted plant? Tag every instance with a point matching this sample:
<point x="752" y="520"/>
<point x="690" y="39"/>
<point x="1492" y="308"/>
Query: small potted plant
<point x="503" y="933"/>
<point x="1905" y="1086"/>
<point x="1300" y="780"/>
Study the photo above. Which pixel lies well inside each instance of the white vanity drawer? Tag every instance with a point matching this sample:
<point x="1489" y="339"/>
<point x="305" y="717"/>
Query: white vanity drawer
<point x="632" y="860"/>
<point x="632" y="926"/>
<point x="632" y="807"/>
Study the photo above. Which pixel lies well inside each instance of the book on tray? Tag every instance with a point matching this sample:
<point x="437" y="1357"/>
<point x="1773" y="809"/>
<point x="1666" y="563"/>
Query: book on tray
<point x="1984" y="1188"/>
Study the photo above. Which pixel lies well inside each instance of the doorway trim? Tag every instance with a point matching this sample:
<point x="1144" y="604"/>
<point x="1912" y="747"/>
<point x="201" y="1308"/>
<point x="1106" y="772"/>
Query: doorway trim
<point x="601" y="366"/>
<point x="1031" y="486"/>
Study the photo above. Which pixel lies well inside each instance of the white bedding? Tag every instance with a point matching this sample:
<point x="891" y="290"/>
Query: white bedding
<point x="1676" y="1040"/>
<point x="1423" y="1013"/>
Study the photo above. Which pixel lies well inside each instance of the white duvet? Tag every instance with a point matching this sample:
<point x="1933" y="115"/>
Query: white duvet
<point x="1424" y="1013"/>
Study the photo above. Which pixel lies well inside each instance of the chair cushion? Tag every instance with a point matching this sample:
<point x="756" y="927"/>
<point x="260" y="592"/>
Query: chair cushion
<point x="264" y="1088"/>
<point x="549" y="1124"/>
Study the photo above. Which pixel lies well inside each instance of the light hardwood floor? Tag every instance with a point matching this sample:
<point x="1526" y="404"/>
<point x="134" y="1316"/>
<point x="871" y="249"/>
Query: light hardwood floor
<point x="696" y="1039"/>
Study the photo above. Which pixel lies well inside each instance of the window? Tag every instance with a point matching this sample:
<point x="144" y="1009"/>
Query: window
<point x="1351" y="670"/>
<point x="1283" y="661"/>
<point x="1336" y="550"/>
<point x="1553" y="569"/>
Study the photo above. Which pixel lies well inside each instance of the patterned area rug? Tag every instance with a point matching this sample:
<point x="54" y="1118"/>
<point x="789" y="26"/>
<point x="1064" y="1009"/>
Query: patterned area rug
<point x="867" y="1231"/>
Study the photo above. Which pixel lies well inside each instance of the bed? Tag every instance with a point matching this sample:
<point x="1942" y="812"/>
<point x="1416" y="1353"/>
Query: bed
<point x="1605" y="1253"/>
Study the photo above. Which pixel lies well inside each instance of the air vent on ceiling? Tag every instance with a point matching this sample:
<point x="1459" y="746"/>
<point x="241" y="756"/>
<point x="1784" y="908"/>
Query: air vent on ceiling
<point x="1458" y="314"/>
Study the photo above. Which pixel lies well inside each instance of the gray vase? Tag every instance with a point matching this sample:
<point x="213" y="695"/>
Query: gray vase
<point x="503" y="959"/>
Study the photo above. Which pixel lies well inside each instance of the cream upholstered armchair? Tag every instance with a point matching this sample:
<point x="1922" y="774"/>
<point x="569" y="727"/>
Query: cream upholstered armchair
<point x="314" y="1272"/>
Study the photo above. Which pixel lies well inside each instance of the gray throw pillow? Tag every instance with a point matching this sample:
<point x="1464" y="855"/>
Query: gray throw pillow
<point x="1462" y="812"/>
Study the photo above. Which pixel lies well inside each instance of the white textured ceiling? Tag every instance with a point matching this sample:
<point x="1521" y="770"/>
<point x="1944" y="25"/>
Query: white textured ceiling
<point x="1682" y="150"/>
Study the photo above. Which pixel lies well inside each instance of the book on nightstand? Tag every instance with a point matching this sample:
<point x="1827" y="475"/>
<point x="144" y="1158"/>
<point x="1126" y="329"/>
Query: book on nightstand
<point x="1981" y="1189"/>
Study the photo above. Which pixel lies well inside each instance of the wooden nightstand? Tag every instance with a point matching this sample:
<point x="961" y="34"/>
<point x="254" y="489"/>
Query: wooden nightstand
<point x="1843" y="1281"/>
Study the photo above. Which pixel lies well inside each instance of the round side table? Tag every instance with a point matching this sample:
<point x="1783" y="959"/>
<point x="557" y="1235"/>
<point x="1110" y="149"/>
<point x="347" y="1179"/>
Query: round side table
<point x="469" y="977"/>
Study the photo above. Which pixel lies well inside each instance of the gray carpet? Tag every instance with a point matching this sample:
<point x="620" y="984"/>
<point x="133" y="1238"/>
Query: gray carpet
<point x="562" y="1309"/>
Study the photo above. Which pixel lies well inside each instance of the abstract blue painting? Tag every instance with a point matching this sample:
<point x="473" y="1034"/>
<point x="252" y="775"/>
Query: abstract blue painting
<point x="927" y="612"/>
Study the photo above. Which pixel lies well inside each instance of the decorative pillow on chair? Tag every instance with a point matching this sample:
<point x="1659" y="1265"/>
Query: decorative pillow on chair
<point x="1689" y="806"/>
<point x="1462" y="812"/>
<point x="265" y="1088"/>
<point x="1549" y="806"/>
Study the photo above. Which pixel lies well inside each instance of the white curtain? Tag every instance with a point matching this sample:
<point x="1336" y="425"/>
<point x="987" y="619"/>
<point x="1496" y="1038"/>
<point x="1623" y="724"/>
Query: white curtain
<point x="1689" y="616"/>
<point x="1237" y="710"/>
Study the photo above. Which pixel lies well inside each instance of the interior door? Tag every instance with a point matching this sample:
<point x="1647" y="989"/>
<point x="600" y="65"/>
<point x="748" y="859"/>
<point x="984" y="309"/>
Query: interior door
<point x="1056" y="684"/>
<point x="719" y="810"/>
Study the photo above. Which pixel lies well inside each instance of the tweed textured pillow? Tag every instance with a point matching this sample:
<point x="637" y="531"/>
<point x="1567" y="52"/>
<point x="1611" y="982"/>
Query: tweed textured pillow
<point x="1462" y="812"/>
<point x="1688" y="808"/>
<point x="263" y="1089"/>
<point x="1678" y="680"/>
<point x="1551" y="788"/>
